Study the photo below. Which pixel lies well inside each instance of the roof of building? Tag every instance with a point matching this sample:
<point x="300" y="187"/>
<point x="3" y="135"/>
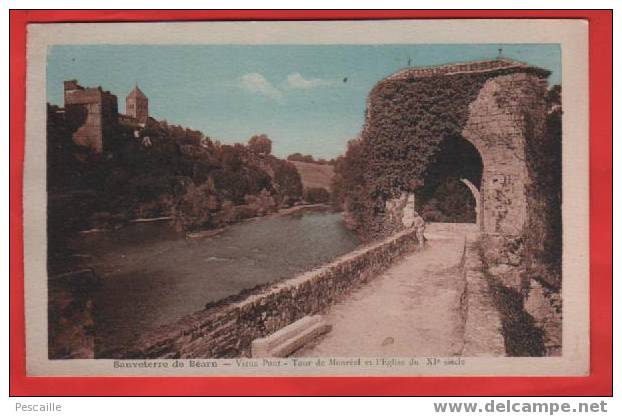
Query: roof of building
<point x="466" y="67"/>
<point x="136" y="93"/>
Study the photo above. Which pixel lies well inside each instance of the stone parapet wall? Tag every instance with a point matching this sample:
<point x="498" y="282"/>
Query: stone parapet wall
<point x="227" y="328"/>
<point x="483" y="329"/>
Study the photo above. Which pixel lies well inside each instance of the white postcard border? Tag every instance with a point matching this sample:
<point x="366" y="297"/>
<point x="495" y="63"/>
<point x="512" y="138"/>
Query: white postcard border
<point x="570" y="34"/>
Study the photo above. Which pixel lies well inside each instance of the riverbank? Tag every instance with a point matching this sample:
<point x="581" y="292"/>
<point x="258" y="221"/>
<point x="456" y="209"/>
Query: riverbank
<point x="280" y="213"/>
<point x="207" y="232"/>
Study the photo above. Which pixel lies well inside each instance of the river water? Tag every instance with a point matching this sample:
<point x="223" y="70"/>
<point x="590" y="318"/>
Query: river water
<point x="152" y="275"/>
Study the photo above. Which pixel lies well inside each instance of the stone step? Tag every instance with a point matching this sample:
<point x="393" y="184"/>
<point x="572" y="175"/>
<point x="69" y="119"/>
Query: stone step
<point x="290" y="338"/>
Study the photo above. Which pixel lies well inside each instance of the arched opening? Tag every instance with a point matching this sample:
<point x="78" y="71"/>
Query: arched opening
<point x="451" y="184"/>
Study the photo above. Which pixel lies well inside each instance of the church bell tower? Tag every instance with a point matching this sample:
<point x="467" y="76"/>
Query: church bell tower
<point x="137" y="105"/>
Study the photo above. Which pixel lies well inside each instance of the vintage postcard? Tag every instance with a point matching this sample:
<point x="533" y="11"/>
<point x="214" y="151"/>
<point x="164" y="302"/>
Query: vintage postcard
<point x="369" y="198"/>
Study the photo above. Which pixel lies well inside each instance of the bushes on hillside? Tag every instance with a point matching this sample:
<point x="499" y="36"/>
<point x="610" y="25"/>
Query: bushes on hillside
<point x="316" y="195"/>
<point x="191" y="211"/>
<point x="299" y="157"/>
<point x="263" y="203"/>
<point x="177" y="171"/>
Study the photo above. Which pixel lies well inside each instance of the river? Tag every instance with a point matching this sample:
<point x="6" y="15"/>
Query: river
<point x="152" y="275"/>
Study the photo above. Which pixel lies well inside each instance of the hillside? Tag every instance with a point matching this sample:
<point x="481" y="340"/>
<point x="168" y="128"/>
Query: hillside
<point x="314" y="175"/>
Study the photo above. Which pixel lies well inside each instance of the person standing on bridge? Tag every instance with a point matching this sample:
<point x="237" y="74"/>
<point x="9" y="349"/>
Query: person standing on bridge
<point x="411" y="218"/>
<point x="419" y="225"/>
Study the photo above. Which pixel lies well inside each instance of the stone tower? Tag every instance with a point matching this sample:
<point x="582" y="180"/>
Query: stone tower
<point x="137" y="105"/>
<point x="92" y="113"/>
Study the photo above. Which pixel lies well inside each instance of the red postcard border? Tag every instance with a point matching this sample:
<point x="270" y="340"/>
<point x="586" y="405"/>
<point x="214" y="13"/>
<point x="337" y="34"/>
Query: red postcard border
<point x="598" y="383"/>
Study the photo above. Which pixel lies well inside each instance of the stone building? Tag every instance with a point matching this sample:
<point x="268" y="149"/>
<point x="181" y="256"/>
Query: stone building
<point x="505" y="117"/>
<point x="502" y="115"/>
<point x="92" y="114"/>
<point x="137" y="105"/>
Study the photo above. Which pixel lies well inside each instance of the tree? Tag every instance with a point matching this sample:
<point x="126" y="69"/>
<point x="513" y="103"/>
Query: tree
<point x="299" y="157"/>
<point x="288" y="182"/>
<point x="451" y="201"/>
<point x="260" y="145"/>
<point x="191" y="212"/>
<point x="232" y="156"/>
<point x="316" y="195"/>
<point x="295" y="157"/>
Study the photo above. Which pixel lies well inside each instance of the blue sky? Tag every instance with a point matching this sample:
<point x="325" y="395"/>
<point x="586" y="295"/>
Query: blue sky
<point x="295" y="94"/>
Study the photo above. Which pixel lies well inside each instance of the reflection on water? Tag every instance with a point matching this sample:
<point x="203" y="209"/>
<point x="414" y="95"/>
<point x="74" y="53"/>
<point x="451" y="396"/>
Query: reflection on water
<point x="152" y="275"/>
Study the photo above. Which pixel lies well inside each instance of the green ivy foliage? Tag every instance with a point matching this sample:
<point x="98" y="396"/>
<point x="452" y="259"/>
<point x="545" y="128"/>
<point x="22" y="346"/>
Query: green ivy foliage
<point x="407" y="122"/>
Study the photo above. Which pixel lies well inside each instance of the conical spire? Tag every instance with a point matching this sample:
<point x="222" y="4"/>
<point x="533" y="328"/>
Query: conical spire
<point x="136" y="92"/>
